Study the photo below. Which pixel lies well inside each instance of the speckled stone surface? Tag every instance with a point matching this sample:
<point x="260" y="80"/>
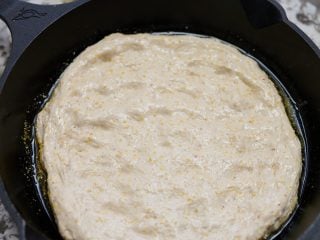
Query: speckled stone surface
<point x="5" y="40"/>
<point x="304" y="13"/>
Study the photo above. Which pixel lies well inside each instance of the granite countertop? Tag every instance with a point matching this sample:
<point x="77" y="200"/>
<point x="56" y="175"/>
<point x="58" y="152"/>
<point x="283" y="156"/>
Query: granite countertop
<point x="304" y="13"/>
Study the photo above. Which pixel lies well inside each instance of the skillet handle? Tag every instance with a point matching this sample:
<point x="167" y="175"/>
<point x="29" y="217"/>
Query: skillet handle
<point x="26" y="21"/>
<point x="263" y="13"/>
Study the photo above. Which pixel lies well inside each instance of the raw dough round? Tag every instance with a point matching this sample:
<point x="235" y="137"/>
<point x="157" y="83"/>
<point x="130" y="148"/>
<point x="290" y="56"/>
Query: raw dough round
<point x="168" y="137"/>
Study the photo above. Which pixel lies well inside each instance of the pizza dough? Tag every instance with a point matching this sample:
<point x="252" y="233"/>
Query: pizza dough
<point x="168" y="137"/>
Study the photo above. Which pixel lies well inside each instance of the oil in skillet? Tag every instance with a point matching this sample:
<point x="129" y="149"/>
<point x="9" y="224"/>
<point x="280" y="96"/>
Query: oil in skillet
<point x="39" y="175"/>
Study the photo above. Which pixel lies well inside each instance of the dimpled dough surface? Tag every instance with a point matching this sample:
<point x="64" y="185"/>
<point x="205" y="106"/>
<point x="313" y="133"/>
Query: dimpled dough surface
<point x="167" y="137"/>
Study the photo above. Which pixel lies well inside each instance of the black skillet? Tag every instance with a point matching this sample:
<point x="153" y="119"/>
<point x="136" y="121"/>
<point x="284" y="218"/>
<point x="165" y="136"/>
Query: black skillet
<point x="46" y="39"/>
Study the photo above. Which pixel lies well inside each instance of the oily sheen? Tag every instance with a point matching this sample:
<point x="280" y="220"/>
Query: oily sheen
<point x="167" y="137"/>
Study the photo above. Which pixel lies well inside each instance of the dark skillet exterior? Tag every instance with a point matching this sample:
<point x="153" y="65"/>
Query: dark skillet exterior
<point x="43" y="47"/>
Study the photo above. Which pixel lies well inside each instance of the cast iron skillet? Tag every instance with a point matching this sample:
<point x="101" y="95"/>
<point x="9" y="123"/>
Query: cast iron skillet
<point x="46" y="39"/>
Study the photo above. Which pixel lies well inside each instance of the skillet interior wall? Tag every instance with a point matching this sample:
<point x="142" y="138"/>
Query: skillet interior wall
<point x="272" y="45"/>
